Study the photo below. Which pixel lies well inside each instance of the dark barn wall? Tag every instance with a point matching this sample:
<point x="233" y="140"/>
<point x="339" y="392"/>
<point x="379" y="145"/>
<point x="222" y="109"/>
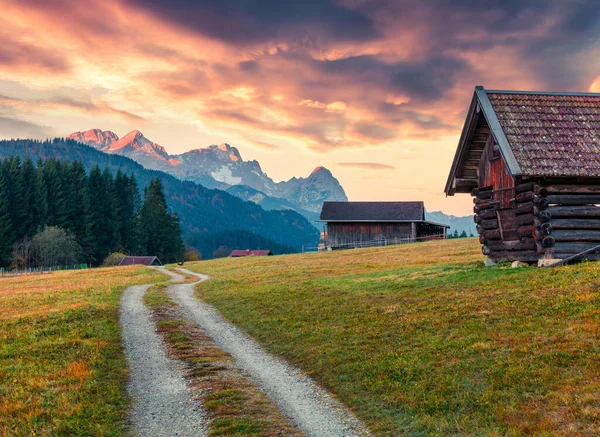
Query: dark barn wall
<point x="493" y="172"/>
<point x="503" y="211"/>
<point x="346" y="234"/>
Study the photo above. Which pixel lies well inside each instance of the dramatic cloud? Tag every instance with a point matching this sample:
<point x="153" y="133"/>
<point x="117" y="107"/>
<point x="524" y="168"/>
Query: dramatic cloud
<point x="299" y="82"/>
<point x="243" y="22"/>
<point x="17" y="55"/>
<point x="365" y="166"/>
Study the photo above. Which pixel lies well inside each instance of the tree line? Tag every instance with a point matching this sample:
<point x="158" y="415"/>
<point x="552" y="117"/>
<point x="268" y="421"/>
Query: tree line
<point x="92" y="215"/>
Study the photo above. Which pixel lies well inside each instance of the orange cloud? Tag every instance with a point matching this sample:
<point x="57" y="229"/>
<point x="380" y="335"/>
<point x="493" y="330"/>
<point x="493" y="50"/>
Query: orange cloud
<point x="319" y="76"/>
<point x="365" y="166"/>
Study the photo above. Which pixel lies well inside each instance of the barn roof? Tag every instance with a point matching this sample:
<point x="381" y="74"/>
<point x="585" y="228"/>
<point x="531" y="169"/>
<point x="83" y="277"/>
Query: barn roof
<point x="538" y="133"/>
<point x="140" y="260"/>
<point x="248" y="252"/>
<point x="373" y="211"/>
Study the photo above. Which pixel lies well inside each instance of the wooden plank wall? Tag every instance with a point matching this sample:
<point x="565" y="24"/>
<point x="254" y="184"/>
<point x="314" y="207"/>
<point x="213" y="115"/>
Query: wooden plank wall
<point x="344" y="234"/>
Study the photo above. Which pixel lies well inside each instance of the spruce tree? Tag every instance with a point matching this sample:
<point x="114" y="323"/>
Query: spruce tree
<point x="40" y="206"/>
<point x="29" y="189"/>
<point x="55" y="192"/>
<point x="6" y="228"/>
<point x="160" y="234"/>
<point x="15" y="191"/>
<point x="100" y="226"/>
<point x="76" y="200"/>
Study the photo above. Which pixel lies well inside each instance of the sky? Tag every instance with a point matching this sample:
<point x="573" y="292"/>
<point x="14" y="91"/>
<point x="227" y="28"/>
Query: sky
<point x="374" y="90"/>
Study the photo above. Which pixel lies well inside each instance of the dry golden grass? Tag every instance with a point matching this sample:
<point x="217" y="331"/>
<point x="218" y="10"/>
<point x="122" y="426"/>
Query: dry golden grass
<point x="61" y="365"/>
<point x="421" y="339"/>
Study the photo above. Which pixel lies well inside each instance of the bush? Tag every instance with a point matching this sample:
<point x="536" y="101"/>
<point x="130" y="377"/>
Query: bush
<point x="192" y="255"/>
<point x="49" y="248"/>
<point x="114" y="259"/>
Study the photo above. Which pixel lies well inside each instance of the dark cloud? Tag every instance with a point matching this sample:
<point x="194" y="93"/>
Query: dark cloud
<point x="16" y="54"/>
<point x="428" y="79"/>
<point x="253" y="21"/>
<point x="374" y="131"/>
<point x="365" y="166"/>
<point x="15" y="128"/>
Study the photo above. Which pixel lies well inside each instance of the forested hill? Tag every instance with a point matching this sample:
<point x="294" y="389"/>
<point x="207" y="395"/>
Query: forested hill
<point x="202" y="212"/>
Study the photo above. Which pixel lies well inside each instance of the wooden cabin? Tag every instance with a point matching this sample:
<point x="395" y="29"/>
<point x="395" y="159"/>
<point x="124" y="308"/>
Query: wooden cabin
<point x="248" y="252"/>
<point x="531" y="160"/>
<point x="140" y="260"/>
<point x="363" y="224"/>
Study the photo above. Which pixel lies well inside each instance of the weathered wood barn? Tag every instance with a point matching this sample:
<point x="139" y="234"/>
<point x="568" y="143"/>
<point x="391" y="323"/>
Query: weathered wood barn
<point x="532" y="162"/>
<point x="140" y="260"/>
<point x="362" y="224"/>
<point x="249" y="252"/>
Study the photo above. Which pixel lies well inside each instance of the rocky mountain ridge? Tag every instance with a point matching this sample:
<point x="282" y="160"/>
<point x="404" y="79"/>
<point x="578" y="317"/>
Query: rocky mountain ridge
<point x="219" y="166"/>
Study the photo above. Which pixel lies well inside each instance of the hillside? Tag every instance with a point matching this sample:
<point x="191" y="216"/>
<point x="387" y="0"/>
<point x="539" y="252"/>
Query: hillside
<point x="421" y="339"/>
<point x="202" y="211"/>
<point x="460" y="224"/>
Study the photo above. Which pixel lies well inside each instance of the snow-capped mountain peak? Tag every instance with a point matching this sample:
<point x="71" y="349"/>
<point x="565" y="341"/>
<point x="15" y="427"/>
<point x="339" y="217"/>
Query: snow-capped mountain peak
<point x="218" y="166"/>
<point x="97" y="138"/>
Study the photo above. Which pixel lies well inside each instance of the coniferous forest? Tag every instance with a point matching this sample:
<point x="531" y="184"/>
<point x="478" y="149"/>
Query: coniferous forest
<point x="54" y="212"/>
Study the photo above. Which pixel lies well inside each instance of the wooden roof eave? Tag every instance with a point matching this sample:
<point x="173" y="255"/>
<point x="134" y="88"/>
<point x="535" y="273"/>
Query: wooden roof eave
<point x="490" y="115"/>
<point x="462" y="150"/>
<point x="480" y="103"/>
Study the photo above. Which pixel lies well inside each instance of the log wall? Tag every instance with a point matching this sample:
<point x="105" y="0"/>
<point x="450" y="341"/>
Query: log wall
<point x="567" y="217"/>
<point x="551" y="220"/>
<point x="506" y="232"/>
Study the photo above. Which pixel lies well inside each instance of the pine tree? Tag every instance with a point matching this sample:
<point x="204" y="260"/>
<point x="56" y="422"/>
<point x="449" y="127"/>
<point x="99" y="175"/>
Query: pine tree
<point x="15" y="191"/>
<point x="40" y="206"/>
<point x="29" y="189"/>
<point x="160" y="234"/>
<point x="6" y="228"/>
<point x="100" y="226"/>
<point x="76" y="200"/>
<point x="55" y="192"/>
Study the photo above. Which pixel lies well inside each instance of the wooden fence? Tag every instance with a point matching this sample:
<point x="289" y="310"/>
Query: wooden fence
<point x="381" y="242"/>
<point x="10" y="273"/>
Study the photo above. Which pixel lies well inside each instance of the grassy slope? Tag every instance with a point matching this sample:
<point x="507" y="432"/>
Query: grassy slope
<point x="423" y="340"/>
<point x="61" y="365"/>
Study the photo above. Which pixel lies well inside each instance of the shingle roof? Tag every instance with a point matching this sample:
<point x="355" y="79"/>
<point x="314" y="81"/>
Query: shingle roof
<point x="551" y="134"/>
<point x="373" y="211"/>
<point x="247" y="252"/>
<point x="140" y="260"/>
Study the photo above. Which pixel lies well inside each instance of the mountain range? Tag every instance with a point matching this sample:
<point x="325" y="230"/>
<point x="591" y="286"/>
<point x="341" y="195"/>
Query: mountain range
<point x="222" y="167"/>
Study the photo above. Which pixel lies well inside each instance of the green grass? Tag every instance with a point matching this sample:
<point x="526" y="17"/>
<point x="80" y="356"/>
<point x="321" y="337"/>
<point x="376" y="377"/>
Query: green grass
<point x="62" y="369"/>
<point x="422" y="339"/>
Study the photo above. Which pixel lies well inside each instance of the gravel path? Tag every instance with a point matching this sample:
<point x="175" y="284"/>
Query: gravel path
<point x="311" y="408"/>
<point x="162" y="404"/>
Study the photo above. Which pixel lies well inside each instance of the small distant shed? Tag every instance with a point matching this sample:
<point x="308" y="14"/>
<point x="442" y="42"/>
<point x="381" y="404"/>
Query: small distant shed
<point x="140" y="260"/>
<point x="362" y="224"/>
<point x="531" y="160"/>
<point x="248" y="252"/>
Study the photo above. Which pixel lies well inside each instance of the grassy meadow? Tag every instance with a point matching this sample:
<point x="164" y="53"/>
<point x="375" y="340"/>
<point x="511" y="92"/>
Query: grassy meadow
<point x="62" y="369"/>
<point x="421" y="339"/>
